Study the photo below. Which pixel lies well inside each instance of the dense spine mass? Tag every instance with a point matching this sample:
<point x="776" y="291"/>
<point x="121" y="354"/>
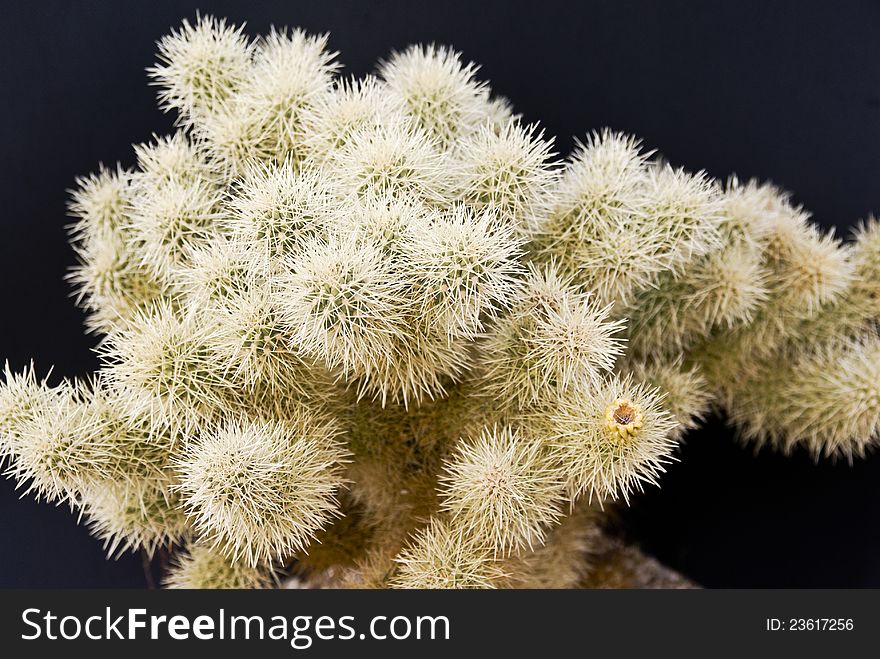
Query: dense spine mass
<point x="373" y="333"/>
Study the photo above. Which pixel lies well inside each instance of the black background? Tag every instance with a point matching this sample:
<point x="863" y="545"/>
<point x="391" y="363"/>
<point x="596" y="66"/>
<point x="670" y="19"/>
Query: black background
<point x="781" y="91"/>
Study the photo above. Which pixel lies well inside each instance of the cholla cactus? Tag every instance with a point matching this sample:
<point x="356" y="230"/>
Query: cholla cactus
<point x="373" y="333"/>
<point x="262" y="489"/>
<point x="202" y="567"/>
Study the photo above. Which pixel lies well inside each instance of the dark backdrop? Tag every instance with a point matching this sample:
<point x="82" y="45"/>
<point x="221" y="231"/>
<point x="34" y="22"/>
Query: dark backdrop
<point x="785" y="91"/>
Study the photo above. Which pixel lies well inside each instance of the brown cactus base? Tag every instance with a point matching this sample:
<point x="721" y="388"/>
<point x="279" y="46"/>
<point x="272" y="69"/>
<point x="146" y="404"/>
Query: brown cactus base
<point x="619" y="565"/>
